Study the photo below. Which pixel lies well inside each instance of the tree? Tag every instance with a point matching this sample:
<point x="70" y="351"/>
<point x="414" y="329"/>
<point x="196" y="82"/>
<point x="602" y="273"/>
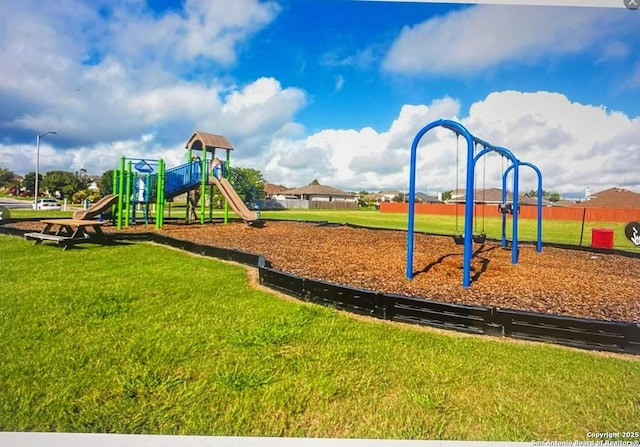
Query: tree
<point x="399" y="198"/>
<point x="106" y="182"/>
<point x="315" y="182"/>
<point x="446" y="195"/>
<point x="255" y="177"/>
<point x="549" y="195"/>
<point x="7" y="177"/>
<point x="62" y="182"/>
<point x="82" y="179"/>
<point x="29" y="182"/>
<point x="365" y="199"/>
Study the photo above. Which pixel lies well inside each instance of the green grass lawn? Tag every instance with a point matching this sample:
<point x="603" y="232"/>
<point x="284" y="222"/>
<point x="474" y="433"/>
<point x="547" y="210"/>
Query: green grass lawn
<point x="144" y="339"/>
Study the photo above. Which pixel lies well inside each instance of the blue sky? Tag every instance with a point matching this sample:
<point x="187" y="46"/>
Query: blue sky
<point x="332" y="90"/>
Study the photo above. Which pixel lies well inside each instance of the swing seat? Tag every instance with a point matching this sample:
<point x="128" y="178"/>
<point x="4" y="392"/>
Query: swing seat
<point x="459" y="239"/>
<point x="505" y="208"/>
<point x="480" y="238"/>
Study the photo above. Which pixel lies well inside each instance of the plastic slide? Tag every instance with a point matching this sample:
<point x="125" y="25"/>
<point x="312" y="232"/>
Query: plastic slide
<point x="236" y="203"/>
<point x="99" y="207"/>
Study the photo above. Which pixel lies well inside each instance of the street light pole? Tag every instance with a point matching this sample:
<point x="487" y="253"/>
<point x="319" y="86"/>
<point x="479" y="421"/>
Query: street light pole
<point x="53" y="132"/>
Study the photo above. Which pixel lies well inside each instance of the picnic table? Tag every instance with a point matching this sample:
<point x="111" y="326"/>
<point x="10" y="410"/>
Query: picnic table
<point x="68" y="232"/>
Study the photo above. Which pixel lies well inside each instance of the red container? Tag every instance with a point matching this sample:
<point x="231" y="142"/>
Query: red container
<point x="602" y="237"/>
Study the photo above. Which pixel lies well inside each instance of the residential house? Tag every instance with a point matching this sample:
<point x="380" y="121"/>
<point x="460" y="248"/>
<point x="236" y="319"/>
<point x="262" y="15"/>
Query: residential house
<point x="389" y="194"/>
<point x="612" y="198"/>
<point x="94" y="182"/>
<point x="322" y="193"/>
<point x="274" y="191"/>
<point x="493" y="196"/>
<point x="564" y="202"/>
<point x="315" y="195"/>
<point x="425" y="198"/>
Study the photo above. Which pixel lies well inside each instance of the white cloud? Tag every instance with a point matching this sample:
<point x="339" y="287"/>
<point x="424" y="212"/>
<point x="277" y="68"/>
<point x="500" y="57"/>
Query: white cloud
<point x="575" y="146"/>
<point x="253" y="115"/>
<point x="116" y="74"/>
<point x="21" y="157"/>
<point x="355" y="159"/>
<point x="212" y="29"/>
<point x="114" y="87"/>
<point x="480" y="37"/>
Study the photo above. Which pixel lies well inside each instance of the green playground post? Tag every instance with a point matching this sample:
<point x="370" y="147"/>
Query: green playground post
<point x="227" y="166"/>
<point x="210" y="203"/>
<point x="188" y="205"/>
<point x="147" y="196"/>
<point x="114" y="181"/>
<point x="128" y="194"/>
<point x="203" y="186"/>
<point x="160" y="195"/>
<point x="120" y="193"/>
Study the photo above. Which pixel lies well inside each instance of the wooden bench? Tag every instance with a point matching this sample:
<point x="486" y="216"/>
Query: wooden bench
<point x="68" y="232"/>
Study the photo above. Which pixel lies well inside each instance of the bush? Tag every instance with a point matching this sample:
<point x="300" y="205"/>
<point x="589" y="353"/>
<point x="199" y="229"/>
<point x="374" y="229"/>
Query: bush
<point x="79" y="196"/>
<point x="94" y="196"/>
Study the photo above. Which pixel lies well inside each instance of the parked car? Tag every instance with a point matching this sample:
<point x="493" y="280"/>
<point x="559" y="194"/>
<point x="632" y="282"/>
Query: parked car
<point x="46" y="204"/>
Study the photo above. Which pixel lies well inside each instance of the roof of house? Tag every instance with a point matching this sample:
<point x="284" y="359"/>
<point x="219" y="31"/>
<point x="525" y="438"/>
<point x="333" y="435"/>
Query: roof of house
<point x="564" y="202"/>
<point x="481" y="195"/>
<point x="270" y="188"/>
<point x="612" y="198"/>
<point x="319" y="190"/>
<point x="427" y="198"/>
<point x="389" y="192"/>
<point x="494" y="195"/>
<point x="208" y="142"/>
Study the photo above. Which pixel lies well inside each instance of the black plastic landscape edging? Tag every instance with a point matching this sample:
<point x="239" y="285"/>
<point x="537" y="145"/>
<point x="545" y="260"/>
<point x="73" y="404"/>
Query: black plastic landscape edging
<point x="591" y="334"/>
<point x="9" y="231"/>
<point x="227" y="254"/>
<point x="581" y="333"/>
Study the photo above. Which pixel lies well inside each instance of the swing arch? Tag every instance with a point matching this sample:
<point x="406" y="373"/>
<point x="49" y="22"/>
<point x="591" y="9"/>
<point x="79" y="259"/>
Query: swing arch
<point x="472" y="159"/>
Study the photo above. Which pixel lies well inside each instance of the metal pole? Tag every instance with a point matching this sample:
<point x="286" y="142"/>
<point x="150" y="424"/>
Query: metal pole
<point x="35" y="198"/>
<point x="584" y="214"/>
<point x="203" y="185"/>
<point x="53" y="132"/>
<point x="227" y="166"/>
<point x="122" y="198"/>
<point x="516" y="212"/>
<point x="504" y="201"/>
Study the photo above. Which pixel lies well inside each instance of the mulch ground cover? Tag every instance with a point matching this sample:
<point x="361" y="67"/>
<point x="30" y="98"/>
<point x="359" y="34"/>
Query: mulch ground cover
<point x="557" y="281"/>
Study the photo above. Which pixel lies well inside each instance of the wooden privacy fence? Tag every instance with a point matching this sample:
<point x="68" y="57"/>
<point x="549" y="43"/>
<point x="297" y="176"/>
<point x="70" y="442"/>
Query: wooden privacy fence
<point x="335" y="205"/>
<point x="308" y="204"/>
<point x="621" y="215"/>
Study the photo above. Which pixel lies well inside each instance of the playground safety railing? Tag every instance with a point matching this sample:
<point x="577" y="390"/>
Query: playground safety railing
<point x="181" y="178"/>
<point x="244" y="188"/>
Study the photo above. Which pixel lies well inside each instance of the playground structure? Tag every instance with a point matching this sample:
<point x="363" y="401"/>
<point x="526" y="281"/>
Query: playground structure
<point x="141" y="183"/>
<point x="467" y="239"/>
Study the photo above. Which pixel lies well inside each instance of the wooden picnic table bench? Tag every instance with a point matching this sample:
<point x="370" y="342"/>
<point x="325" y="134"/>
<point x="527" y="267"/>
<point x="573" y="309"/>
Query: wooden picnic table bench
<point x="68" y="232"/>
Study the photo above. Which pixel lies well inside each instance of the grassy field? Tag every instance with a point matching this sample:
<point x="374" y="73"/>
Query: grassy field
<point x="144" y="339"/>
